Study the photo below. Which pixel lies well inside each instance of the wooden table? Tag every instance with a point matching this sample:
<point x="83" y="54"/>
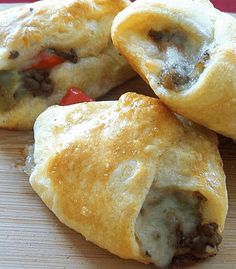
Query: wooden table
<point x="32" y="237"/>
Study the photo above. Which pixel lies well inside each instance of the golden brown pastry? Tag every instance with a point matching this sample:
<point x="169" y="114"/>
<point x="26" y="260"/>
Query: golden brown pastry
<point x="132" y="178"/>
<point x="49" y="46"/>
<point x="186" y="51"/>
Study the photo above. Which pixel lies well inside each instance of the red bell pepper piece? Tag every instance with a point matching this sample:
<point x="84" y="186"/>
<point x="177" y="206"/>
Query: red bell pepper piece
<point x="47" y="60"/>
<point x="74" y="96"/>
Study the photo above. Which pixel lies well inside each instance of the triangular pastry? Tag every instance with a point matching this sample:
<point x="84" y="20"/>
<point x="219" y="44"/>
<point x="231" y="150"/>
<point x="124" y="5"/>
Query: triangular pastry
<point x="132" y="177"/>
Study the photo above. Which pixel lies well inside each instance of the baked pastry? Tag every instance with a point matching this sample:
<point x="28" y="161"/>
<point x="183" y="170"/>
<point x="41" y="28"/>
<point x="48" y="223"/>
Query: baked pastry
<point x="185" y="50"/>
<point x="49" y="46"/>
<point x="132" y="178"/>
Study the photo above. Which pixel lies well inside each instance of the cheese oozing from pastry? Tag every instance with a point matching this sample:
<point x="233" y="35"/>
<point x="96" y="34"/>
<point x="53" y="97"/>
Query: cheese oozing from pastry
<point x="170" y="225"/>
<point x="182" y="59"/>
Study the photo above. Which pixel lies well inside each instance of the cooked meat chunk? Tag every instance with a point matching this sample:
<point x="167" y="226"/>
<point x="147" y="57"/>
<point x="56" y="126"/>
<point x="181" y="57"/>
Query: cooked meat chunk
<point x="171" y="79"/>
<point x="157" y="36"/>
<point x="37" y="82"/>
<point x="204" y="241"/>
<point x="70" y="55"/>
<point x="168" y="38"/>
<point x="13" y="55"/>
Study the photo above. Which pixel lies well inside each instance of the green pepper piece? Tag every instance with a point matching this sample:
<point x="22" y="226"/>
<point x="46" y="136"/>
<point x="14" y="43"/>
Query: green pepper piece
<point x="8" y="86"/>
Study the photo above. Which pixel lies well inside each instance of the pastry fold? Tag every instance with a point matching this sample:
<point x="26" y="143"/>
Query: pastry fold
<point x="77" y="32"/>
<point x="185" y="50"/>
<point x="114" y="170"/>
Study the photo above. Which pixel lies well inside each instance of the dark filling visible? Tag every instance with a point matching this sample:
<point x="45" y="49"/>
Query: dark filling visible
<point x="170" y="225"/>
<point x="37" y="82"/>
<point x="34" y="80"/>
<point x="70" y="55"/>
<point x="165" y="38"/>
<point x="175" y="76"/>
<point x="206" y="235"/>
<point x="13" y="55"/>
<point x="172" y="79"/>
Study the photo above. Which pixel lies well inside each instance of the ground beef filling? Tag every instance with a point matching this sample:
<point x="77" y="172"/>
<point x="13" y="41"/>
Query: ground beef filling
<point x="13" y="55"/>
<point x="202" y="242"/>
<point x="34" y="81"/>
<point x="172" y="79"/>
<point x="37" y="82"/>
<point x="166" y="38"/>
<point x="70" y="55"/>
<point x="183" y="65"/>
<point x="170" y="225"/>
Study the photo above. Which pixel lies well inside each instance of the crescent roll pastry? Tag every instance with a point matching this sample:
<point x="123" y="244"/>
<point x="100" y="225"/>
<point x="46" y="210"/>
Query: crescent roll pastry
<point x="132" y="178"/>
<point x="186" y="51"/>
<point x="48" y="47"/>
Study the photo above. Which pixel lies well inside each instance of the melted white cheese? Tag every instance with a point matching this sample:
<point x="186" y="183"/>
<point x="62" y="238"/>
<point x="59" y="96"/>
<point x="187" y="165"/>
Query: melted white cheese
<point x="162" y="212"/>
<point x="182" y="55"/>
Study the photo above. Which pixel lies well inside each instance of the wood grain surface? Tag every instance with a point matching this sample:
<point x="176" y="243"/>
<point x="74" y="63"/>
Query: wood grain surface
<point x="32" y="237"/>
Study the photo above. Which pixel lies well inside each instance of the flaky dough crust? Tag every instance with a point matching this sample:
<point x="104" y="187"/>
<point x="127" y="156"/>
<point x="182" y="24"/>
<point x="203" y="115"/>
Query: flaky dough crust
<point x="211" y="101"/>
<point x="83" y="25"/>
<point x="95" y="163"/>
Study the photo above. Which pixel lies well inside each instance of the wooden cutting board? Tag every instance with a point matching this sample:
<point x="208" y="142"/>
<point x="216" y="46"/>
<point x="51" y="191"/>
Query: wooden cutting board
<point x="32" y="237"/>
